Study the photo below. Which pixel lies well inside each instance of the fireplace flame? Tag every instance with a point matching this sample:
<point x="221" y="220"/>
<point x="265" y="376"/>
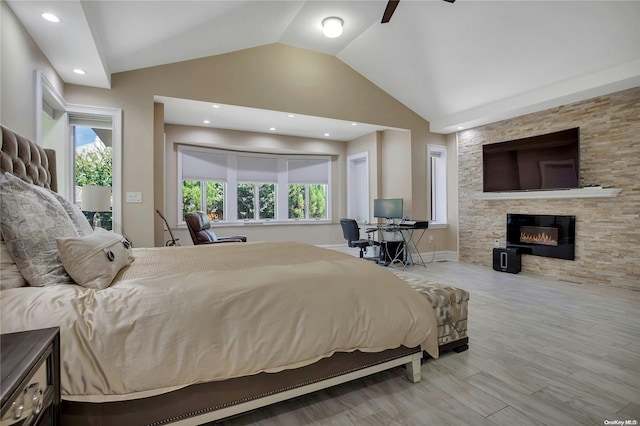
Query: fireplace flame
<point x="539" y="238"/>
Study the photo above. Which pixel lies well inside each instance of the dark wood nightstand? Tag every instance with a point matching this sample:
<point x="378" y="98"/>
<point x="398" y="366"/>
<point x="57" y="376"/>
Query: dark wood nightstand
<point x="30" y="369"/>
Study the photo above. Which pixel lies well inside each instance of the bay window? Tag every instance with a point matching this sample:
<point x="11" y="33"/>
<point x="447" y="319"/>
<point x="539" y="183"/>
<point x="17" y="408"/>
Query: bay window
<point x="243" y="186"/>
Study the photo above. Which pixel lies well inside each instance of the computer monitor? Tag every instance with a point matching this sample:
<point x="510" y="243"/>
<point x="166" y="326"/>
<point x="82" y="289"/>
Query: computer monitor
<point x="387" y="208"/>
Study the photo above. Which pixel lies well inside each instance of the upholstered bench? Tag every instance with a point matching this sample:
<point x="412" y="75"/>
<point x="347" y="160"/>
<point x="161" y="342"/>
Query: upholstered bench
<point x="450" y="305"/>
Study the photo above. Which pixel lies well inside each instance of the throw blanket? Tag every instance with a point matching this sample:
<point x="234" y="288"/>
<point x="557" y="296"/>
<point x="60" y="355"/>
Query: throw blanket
<point x="185" y="315"/>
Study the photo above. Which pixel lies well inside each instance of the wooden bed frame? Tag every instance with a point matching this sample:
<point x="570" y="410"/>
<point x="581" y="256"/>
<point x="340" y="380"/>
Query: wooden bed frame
<point x="205" y="402"/>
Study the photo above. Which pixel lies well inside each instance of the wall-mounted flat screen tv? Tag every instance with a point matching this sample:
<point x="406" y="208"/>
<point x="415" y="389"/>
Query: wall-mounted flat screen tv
<point x="387" y="208"/>
<point x="543" y="162"/>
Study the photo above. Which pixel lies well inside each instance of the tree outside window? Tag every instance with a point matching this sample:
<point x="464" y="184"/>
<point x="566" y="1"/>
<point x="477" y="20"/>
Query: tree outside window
<point x="262" y="195"/>
<point x="316" y="201"/>
<point x="192" y="191"/>
<point x="93" y="166"/>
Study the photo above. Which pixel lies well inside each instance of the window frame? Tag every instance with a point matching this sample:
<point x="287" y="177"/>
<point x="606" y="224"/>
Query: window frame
<point x="437" y="193"/>
<point x="281" y="185"/>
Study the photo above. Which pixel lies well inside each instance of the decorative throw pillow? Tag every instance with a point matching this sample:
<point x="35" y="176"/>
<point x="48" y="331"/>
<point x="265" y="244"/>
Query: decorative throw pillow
<point x="78" y="219"/>
<point x="10" y="276"/>
<point x="94" y="261"/>
<point x="31" y="220"/>
<point x="82" y="225"/>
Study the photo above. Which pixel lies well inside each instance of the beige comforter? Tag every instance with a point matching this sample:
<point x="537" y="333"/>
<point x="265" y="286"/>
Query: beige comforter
<point x="184" y="315"/>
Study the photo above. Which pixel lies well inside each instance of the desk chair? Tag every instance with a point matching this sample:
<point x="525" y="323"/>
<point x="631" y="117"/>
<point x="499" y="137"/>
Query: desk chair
<point x="351" y="233"/>
<point x="201" y="232"/>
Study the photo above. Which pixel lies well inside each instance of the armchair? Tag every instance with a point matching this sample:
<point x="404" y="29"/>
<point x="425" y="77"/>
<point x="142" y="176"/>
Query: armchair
<point x="201" y="232"/>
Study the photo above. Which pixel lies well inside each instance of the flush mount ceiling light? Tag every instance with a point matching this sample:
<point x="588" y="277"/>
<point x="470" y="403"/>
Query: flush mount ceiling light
<point x="50" y="17"/>
<point x="332" y="27"/>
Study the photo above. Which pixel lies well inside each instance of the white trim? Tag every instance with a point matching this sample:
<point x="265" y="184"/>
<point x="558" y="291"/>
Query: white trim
<point x="45" y="91"/>
<point x="563" y="193"/>
<point x="350" y="160"/>
<point x="412" y="363"/>
<point x="116" y="146"/>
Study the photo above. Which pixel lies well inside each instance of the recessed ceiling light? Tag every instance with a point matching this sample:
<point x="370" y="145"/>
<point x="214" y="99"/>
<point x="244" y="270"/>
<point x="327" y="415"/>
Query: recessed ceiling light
<point x="291" y="115"/>
<point x="354" y="124"/>
<point x="215" y="106"/>
<point x="79" y="71"/>
<point x="332" y="27"/>
<point x="460" y="127"/>
<point x="50" y="17"/>
<point x="206" y="121"/>
<point x="327" y="134"/>
<point x="272" y="128"/>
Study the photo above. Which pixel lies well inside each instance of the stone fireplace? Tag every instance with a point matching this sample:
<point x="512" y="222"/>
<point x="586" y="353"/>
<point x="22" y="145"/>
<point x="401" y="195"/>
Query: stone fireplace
<point x="542" y="235"/>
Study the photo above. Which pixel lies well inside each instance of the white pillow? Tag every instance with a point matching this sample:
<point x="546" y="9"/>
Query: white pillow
<point x="31" y="220"/>
<point x="82" y="225"/>
<point x="10" y="276"/>
<point x="94" y="261"/>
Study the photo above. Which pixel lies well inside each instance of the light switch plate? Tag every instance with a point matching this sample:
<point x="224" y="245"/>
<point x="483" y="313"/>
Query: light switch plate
<point x="134" y="197"/>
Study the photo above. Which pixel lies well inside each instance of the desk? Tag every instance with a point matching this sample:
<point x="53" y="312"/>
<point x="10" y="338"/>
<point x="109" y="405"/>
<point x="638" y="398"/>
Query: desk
<point x="406" y="252"/>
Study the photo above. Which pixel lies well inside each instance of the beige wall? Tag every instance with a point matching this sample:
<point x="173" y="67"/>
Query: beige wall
<point x="20" y="58"/>
<point x="369" y="144"/>
<point x="275" y="77"/>
<point x="607" y="229"/>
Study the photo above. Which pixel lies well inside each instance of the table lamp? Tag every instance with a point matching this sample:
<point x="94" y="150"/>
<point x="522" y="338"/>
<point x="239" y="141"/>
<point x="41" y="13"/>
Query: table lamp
<point x="96" y="199"/>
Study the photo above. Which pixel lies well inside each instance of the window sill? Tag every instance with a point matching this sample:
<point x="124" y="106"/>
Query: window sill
<point x="264" y="223"/>
<point x="438" y="225"/>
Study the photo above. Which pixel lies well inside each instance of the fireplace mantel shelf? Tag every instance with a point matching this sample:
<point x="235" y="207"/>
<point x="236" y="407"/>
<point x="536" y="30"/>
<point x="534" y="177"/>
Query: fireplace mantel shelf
<point x="565" y="193"/>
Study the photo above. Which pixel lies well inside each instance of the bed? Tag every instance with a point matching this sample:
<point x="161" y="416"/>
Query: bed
<point x="188" y="335"/>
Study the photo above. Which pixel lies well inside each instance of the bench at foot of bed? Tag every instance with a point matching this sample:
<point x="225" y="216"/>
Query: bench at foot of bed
<point x="450" y="305"/>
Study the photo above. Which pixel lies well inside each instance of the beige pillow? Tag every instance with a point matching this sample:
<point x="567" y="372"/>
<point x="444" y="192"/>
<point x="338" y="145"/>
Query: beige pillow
<point x="95" y="260"/>
<point x="82" y="225"/>
<point x="31" y="220"/>
<point x="10" y="276"/>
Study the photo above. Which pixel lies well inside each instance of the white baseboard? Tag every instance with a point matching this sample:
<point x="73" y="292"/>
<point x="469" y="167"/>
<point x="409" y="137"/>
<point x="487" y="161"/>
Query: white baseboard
<point x="428" y="257"/>
<point x="440" y="256"/>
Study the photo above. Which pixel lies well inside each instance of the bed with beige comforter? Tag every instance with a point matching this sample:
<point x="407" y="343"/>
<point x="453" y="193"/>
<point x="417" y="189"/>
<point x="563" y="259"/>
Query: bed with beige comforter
<point x="185" y="315"/>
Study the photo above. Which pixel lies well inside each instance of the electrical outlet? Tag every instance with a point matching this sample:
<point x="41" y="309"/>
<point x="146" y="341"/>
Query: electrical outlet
<point x="496" y="242"/>
<point x="430" y="238"/>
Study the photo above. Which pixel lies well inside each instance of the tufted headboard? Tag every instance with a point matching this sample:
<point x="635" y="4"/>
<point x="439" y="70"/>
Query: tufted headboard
<point x="26" y="160"/>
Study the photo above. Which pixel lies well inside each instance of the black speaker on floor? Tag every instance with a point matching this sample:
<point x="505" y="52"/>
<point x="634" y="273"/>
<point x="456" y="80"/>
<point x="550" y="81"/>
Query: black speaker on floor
<point x="506" y="260"/>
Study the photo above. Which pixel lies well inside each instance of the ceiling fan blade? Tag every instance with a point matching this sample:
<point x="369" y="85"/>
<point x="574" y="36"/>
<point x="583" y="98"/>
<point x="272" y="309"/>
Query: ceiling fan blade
<point x="391" y="7"/>
<point x="388" y="12"/>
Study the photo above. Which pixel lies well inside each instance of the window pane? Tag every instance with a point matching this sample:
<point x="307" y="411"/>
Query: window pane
<point x="317" y="201"/>
<point x="296" y="201"/>
<point x="215" y="200"/>
<point x="267" y="200"/>
<point x="246" y="208"/>
<point x="93" y="165"/>
<point x="191" y="196"/>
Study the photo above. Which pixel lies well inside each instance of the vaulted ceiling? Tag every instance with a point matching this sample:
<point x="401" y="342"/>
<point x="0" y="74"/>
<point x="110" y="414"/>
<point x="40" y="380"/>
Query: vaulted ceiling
<point x="461" y="64"/>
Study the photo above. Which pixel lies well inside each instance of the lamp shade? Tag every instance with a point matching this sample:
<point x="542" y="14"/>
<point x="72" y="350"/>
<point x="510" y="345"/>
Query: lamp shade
<point x="96" y="198"/>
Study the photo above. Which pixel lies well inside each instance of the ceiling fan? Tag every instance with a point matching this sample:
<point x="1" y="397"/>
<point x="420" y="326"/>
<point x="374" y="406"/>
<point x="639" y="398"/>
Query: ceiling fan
<point x="391" y="7"/>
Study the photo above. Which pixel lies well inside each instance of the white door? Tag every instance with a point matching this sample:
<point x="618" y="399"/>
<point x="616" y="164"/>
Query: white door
<point x="358" y="187"/>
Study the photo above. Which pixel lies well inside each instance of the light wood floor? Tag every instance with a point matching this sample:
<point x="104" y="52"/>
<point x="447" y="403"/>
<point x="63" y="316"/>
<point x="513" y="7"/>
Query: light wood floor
<point x="542" y="352"/>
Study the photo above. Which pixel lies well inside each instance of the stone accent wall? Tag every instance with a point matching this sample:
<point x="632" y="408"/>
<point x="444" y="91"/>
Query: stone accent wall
<point x="607" y="229"/>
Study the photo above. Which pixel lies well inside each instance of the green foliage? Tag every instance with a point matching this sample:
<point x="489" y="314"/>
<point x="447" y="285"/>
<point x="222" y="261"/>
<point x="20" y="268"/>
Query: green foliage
<point x="191" y="196"/>
<point x="215" y="200"/>
<point x="317" y="202"/>
<point x="296" y="201"/>
<point x="246" y="208"/>
<point x="267" y="200"/>
<point x="94" y="167"/>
